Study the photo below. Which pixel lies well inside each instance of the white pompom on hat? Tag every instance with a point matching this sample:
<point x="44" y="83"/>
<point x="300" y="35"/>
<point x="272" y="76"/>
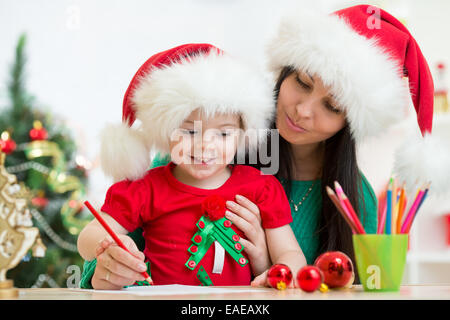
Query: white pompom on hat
<point x="167" y="88"/>
<point x="420" y="160"/>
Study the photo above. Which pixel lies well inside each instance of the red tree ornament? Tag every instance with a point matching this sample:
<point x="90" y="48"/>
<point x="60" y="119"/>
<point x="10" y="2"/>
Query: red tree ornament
<point x="40" y="200"/>
<point x="279" y="276"/>
<point x="309" y="278"/>
<point x="7" y="145"/>
<point x="214" y="207"/>
<point x="337" y="269"/>
<point x="38" y="132"/>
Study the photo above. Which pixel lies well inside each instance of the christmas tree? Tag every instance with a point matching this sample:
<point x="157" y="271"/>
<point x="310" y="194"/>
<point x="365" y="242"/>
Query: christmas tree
<point x="42" y="153"/>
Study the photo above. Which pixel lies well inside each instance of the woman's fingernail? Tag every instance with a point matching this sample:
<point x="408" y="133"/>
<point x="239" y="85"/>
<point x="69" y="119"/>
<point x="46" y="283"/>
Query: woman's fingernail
<point x="228" y="214"/>
<point x="239" y="197"/>
<point x="230" y="203"/>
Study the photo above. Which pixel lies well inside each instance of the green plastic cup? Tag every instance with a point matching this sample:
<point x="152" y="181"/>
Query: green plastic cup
<point x="380" y="260"/>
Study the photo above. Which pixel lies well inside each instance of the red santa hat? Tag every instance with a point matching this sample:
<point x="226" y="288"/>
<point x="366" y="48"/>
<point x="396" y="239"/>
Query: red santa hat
<point x="362" y="53"/>
<point x="167" y="88"/>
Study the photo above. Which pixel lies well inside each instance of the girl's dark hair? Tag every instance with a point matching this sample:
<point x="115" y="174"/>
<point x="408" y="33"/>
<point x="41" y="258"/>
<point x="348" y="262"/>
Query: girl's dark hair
<point x="340" y="164"/>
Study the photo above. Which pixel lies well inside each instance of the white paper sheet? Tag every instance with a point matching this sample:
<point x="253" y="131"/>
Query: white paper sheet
<point x="176" y="289"/>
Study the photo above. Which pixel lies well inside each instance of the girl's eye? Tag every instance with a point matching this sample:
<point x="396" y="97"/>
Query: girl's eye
<point x="226" y="134"/>
<point x="190" y="132"/>
<point x="301" y="83"/>
<point x="332" y="109"/>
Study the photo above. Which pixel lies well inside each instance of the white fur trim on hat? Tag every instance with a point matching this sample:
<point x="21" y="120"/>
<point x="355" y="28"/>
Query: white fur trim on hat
<point x="123" y="152"/>
<point x="363" y="78"/>
<point x="420" y="160"/>
<point x="215" y="83"/>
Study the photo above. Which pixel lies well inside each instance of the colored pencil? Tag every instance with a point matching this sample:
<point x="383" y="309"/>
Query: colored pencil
<point x="389" y="208"/>
<point x="427" y="187"/>
<point x="382" y="212"/>
<point x="418" y="208"/>
<point x="346" y="204"/>
<point x="394" y="207"/>
<point x="412" y="211"/>
<point x="401" y="208"/>
<point x="113" y="235"/>
<point x="341" y="210"/>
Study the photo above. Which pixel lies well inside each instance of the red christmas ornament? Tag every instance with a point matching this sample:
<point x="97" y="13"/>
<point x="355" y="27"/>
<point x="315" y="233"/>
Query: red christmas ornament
<point x="337" y="269"/>
<point x="7" y="145"/>
<point x="38" y="132"/>
<point x="279" y="276"/>
<point x="214" y="207"/>
<point x="309" y="278"/>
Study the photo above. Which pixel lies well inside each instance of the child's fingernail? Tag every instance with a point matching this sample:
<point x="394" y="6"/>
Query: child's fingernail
<point x="142" y="267"/>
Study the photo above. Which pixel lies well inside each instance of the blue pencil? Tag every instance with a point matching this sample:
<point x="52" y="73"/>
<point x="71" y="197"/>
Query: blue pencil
<point x="423" y="198"/>
<point x="389" y="208"/>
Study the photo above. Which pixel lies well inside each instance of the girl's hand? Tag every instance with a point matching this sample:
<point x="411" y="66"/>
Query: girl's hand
<point x="246" y="216"/>
<point x="261" y="281"/>
<point x="117" y="268"/>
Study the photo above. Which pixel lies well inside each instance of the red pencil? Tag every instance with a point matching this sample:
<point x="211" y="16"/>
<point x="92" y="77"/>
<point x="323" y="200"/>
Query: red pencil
<point x="341" y="210"/>
<point x="113" y="235"/>
<point x="346" y="202"/>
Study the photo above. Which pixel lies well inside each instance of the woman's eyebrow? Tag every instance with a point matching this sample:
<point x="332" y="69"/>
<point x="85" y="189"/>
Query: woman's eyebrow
<point x="310" y="76"/>
<point x="332" y="97"/>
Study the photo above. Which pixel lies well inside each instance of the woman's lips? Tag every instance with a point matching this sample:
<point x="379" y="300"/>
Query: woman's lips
<point x="293" y="126"/>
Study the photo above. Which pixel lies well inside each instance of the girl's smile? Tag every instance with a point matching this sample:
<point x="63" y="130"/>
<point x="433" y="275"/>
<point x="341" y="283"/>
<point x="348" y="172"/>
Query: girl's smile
<point x="202" y="161"/>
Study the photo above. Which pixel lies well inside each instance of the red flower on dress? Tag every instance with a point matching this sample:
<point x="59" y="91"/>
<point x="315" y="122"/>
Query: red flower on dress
<point x="214" y="207"/>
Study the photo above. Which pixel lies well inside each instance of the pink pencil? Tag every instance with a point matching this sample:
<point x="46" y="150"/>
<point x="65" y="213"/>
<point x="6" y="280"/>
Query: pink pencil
<point x="411" y="211"/>
<point x="382" y="220"/>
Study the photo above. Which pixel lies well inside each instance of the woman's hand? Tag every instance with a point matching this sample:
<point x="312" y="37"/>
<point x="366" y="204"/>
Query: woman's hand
<point x="117" y="268"/>
<point x="261" y="280"/>
<point x="246" y="216"/>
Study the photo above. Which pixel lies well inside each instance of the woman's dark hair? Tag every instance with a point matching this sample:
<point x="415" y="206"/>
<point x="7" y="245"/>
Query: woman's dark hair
<point x="340" y="164"/>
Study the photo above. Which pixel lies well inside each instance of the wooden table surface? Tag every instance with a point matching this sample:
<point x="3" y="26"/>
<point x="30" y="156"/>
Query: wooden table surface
<point x="409" y="292"/>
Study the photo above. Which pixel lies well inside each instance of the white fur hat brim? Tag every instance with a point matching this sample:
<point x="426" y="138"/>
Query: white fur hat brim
<point x="215" y="83"/>
<point x="362" y="77"/>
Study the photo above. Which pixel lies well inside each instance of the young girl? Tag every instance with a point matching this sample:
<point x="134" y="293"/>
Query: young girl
<point x="194" y="102"/>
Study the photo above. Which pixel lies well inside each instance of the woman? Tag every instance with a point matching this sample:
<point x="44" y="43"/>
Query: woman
<point x="335" y="86"/>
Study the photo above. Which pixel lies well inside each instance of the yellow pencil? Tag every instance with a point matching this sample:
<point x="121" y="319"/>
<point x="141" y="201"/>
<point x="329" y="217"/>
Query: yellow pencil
<point x="401" y="208"/>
